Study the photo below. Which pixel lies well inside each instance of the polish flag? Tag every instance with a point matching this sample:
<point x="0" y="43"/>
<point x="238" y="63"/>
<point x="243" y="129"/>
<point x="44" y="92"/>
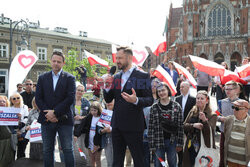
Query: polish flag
<point x="81" y="153"/>
<point x="218" y="113"/>
<point x="243" y="71"/>
<point x="229" y="75"/>
<point x="162" y="47"/>
<point x="139" y="56"/>
<point x="164" y="76"/>
<point x="209" y="67"/>
<point x="163" y="163"/>
<point x="184" y="71"/>
<point x="114" y="53"/>
<point x="93" y="59"/>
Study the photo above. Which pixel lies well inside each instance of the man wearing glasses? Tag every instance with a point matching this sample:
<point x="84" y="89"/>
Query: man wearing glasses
<point x="237" y="138"/>
<point x="28" y="94"/>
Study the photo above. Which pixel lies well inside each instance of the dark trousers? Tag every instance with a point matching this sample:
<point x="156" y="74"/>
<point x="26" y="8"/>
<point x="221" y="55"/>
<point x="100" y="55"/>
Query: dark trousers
<point x="21" y="146"/>
<point x="202" y="88"/>
<point x="134" y="141"/>
<point x="222" y="139"/>
<point x="180" y="157"/>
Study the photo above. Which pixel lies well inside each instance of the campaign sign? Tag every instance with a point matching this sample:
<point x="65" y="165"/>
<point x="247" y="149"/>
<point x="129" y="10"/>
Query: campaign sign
<point x="105" y="118"/>
<point x="35" y="131"/>
<point x="8" y="116"/>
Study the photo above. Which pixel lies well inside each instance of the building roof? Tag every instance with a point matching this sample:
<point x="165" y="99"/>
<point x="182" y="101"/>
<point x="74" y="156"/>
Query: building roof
<point x="175" y="17"/>
<point x="59" y="34"/>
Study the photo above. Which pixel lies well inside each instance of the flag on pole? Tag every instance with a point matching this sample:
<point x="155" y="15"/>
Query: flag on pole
<point x="243" y="71"/>
<point x="162" y="47"/>
<point x="164" y="76"/>
<point x="163" y="163"/>
<point x="229" y="75"/>
<point x="19" y="68"/>
<point x="114" y="53"/>
<point x="81" y="153"/>
<point x="184" y="71"/>
<point x="93" y="59"/>
<point x="209" y="67"/>
<point x="139" y="56"/>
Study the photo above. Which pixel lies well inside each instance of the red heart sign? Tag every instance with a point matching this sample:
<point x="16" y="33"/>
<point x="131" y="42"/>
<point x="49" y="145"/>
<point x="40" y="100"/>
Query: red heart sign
<point x="26" y="61"/>
<point x="139" y="56"/>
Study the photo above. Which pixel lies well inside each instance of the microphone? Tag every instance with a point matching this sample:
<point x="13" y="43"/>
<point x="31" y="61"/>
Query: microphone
<point x="112" y="70"/>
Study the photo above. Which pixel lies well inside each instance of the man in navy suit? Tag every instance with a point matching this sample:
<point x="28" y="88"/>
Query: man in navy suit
<point x="131" y="89"/>
<point x="55" y="93"/>
<point x="187" y="102"/>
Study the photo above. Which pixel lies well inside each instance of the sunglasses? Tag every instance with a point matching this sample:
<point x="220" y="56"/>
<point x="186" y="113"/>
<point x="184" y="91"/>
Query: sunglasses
<point x="30" y="84"/>
<point x="238" y="108"/>
<point x="80" y="90"/>
<point x="15" y="98"/>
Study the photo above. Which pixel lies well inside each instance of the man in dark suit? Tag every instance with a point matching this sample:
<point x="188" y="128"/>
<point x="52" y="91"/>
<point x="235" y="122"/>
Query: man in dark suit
<point x="55" y="93"/>
<point x="131" y="90"/>
<point x="187" y="102"/>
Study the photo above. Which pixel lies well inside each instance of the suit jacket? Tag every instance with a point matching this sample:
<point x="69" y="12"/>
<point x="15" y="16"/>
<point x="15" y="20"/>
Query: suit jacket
<point x="227" y="132"/>
<point x="128" y="116"/>
<point x="59" y="100"/>
<point x="175" y="73"/>
<point x="191" y="101"/>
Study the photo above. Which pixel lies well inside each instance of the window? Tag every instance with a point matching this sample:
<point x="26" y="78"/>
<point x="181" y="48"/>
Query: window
<point x="57" y="49"/>
<point x="39" y="73"/>
<point x="219" y="21"/>
<point x="3" y="50"/>
<point x="20" y="48"/>
<point x="3" y="81"/>
<point x="42" y="53"/>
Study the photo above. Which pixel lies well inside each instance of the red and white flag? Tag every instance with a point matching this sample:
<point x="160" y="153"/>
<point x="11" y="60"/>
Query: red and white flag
<point x="229" y="75"/>
<point x="81" y="153"/>
<point x="184" y="71"/>
<point x="243" y="71"/>
<point x="162" y="47"/>
<point x="207" y="66"/>
<point x="164" y="76"/>
<point x="139" y="56"/>
<point x="114" y="53"/>
<point x="93" y="59"/>
<point x="163" y="163"/>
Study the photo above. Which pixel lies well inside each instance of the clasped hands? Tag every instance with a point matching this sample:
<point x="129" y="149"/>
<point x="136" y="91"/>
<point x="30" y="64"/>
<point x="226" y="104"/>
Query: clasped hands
<point x="51" y="116"/>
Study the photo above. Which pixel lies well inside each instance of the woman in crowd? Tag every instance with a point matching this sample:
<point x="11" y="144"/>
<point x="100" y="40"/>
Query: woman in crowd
<point x="17" y="102"/>
<point x="7" y="152"/>
<point x="36" y="148"/>
<point x="240" y="92"/>
<point x="165" y="133"/>
<point x="200" y="118"/>
<point x="92" y="138"/>
<point x="81" y="110"/>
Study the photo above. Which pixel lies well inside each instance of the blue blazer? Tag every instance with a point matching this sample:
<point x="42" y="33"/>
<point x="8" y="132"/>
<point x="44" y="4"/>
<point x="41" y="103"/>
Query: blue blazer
<point x="175" y="74"/>
<point x="59" y="100"/>
<point x="128" y="116"/>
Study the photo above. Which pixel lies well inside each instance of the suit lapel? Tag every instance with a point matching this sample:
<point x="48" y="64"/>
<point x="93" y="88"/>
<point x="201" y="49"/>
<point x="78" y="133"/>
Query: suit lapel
<point x="186" y="103"/>
<point x="59" y="80"/>
<point x="129" y="79"/>
<point x="50" y="82"/>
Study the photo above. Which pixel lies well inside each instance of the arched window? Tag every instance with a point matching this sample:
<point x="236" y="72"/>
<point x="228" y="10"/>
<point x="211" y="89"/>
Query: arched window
<point x="219" y="21"/>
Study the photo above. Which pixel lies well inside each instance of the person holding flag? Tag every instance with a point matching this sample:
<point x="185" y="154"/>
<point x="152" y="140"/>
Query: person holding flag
<point x="170" y="69"/>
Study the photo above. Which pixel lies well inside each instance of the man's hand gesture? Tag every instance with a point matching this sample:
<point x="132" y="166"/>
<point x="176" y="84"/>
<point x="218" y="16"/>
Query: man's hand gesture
<point x="130" y="98"/>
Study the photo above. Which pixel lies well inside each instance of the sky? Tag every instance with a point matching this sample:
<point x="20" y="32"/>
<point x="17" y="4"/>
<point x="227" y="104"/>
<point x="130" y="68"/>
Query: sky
<point x="123" y="22"/>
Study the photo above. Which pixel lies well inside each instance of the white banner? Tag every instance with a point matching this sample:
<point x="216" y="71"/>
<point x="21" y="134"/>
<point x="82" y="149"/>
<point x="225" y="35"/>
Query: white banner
<point x="35" y="132"/>
<point x="8" y="116"/>
<point x="19" y="68"/>
<point x="105" y="118"/>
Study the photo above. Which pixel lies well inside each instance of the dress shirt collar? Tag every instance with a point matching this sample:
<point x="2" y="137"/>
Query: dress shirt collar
<point x="129" y="71"/>
<point x="56" y="75"/>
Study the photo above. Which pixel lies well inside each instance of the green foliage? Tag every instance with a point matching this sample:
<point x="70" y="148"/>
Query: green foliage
<point x="72" y="61"/>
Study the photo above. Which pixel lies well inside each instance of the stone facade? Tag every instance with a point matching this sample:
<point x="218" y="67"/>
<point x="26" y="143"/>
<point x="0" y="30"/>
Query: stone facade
<point x="218" y="30"/>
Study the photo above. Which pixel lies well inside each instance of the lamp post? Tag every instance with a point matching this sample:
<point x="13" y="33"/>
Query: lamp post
<point x="24" y="30"/>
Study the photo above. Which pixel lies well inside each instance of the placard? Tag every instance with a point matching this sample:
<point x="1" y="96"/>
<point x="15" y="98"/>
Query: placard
<point x="8" y="116"/>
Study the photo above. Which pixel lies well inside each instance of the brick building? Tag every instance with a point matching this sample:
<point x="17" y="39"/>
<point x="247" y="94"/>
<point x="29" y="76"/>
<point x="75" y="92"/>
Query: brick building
<point x="218" y="30"/>
<point x="43" y="42"/>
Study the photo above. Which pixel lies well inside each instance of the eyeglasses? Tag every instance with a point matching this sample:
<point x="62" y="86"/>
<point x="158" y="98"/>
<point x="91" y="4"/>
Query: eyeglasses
<point x="20" y="87"/>
<point x="15" y="98"/>
<point x="30" y="84"/>
<point x="78" y="90"/>
<point x="229" y="89"/>
<point x="238" y="108"/>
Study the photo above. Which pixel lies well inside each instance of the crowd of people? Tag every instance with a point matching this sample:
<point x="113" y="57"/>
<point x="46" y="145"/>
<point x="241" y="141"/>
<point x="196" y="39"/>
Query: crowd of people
<point x="147" y="120"/>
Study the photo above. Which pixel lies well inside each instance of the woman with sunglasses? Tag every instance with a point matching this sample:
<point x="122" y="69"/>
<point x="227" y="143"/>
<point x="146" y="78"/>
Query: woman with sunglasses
<point x="200" y="118"/>
<point x="165" y="129"/>
<point x="16" y="101"/>
<point x="7" y="152"/>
